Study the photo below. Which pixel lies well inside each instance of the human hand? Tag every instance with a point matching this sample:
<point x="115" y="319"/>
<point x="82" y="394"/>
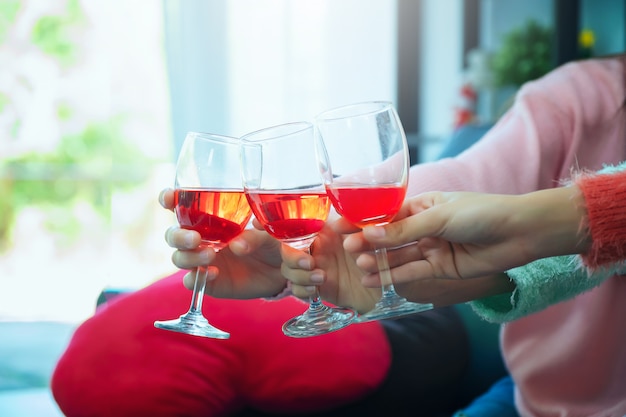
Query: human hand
<point x="329" y="267"/>
<point x="467" y="235"/>
<point x="344" y="283"/>
<point x="249" y="267"/>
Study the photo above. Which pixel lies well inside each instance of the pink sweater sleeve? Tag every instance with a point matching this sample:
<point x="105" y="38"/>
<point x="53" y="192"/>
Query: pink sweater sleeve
<point x="557" y="123"/>
<point x="605" y="200"/>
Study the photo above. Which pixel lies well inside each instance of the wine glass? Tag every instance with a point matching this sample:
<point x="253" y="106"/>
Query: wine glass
<point x="209" y="199"/>
<point x="286" y="193"/>
<point x="365" y="162"/>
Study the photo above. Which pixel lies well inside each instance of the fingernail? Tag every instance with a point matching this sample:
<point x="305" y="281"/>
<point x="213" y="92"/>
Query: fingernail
<point x="162" y="198"/>
<point x="189" y="242"/>
<point x="376" y="231"/>
<point x="304" y="263"/>
<point x="317" y="278"/>
<point x="310" y="289"/>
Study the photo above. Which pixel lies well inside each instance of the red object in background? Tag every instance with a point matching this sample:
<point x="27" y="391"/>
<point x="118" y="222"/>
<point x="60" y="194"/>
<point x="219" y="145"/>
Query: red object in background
<point x="135" y="370"/>
<point x="465" y="111"/>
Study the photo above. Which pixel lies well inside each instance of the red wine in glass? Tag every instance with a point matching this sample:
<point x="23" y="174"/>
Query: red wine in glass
<point x="364" y="206"/>
<point x="290" y="217"/>
<point x="219" y="216"/>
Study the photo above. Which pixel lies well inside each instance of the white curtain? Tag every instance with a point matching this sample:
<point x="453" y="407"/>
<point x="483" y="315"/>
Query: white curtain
<point x="241" y="65"/>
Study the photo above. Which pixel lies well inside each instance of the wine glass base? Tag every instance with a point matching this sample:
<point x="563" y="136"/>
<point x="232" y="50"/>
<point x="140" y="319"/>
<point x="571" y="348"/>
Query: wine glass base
<point x="192" y="324"/>
<point x="315" y="322"/>
<point x="392" y="308"/>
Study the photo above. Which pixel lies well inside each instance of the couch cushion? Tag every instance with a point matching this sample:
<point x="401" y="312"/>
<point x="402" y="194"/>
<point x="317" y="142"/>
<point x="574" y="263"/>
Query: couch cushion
<point x="135" y="369"/>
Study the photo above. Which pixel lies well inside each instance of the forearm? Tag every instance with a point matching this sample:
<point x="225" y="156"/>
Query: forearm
<point x="587" y="217"/>
<point x="597" y="204"/>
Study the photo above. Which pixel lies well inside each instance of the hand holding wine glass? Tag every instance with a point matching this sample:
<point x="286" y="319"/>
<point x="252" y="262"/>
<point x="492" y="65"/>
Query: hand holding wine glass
<point x="249" y="267"/>
<point x="285" y="191"/>
<point x="209" y="199"/>
<point x="365" y="162"/>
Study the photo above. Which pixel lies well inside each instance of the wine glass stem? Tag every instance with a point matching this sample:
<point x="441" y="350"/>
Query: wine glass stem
<point x="385" y="274"/>
<point x="315" y="301"/>
<point x="198" y="291"/>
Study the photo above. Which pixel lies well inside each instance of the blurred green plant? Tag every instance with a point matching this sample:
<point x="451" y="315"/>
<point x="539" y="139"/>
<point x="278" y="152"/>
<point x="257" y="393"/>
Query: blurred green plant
<point x="53" y="34"/>
<point x="8" y="12"/>
<point x="87" y="167"/>
<point x="4" y="101"/>
<point x="525" y="54"/>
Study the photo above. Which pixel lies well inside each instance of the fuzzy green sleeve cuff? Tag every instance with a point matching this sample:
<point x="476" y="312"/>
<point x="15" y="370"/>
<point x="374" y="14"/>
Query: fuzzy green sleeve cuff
<point x="540" y="284"/>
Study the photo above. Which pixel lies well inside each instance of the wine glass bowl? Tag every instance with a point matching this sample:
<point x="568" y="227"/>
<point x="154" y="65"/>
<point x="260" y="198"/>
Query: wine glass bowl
<point x="364" y="159"/>
<point x="364" y="206"/>
<point x="218" y="216"/>
<point x="208" y="198"/>
<point x="285" y="190"/>
<point x="294" y="218"/>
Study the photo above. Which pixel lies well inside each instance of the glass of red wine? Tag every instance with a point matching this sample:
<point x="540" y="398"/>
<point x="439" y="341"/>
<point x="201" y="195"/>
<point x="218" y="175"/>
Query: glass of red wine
<point x="286" y="193"/>
<point x="364" y="160"/>
<point x="208" y="198"/>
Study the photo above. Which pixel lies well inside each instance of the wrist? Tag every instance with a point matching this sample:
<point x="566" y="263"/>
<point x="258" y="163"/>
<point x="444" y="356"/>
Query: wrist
<point x="555" y="222"/>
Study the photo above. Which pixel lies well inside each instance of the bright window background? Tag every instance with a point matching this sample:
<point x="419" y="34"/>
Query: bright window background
<point x="292" y="59"/>
<point x="93" y="106"/>
<point x="85" y="147"/>
<point x="242" y="65"/>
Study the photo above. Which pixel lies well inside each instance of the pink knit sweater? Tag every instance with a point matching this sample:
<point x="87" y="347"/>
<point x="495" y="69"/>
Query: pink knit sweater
<point x="568" y="359"/>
